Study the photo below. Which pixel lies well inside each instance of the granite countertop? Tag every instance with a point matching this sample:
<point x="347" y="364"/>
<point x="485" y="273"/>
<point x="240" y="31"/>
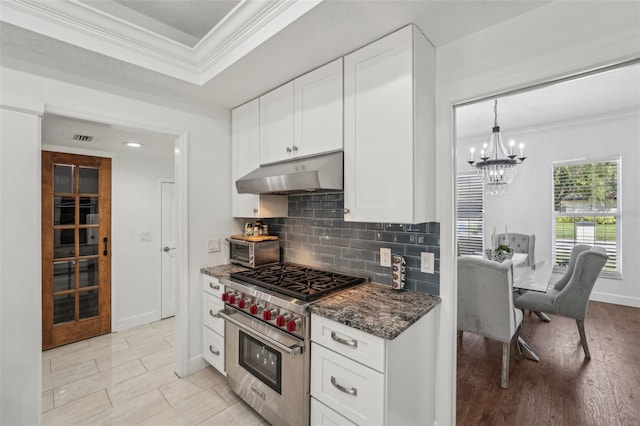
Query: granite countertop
<point x="376" y="309"/>
<point x="221" y="271"/>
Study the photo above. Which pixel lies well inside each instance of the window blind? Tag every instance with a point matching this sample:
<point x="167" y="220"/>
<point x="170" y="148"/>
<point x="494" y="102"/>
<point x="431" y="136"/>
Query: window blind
<point x="470" y="212"/>
<point x="585" y="203"/>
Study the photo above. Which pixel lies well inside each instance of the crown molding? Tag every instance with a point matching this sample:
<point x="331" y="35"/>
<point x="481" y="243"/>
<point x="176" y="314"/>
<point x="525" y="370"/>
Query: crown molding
<point x="246" y="27"/>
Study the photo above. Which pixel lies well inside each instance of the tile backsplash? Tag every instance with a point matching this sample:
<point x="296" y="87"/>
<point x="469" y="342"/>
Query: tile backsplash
<point x="315" y="234"/>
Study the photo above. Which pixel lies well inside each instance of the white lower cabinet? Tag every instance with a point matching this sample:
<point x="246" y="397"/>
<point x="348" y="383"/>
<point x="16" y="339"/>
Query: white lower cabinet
<point x="360" y="379"/>
<point x="212" y="324"/>
<point x="349" y="388"/>
<point x="321" y="415"/>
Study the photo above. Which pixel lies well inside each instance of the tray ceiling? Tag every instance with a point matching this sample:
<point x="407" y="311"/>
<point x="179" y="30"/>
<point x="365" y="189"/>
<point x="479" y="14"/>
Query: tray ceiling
<point x="190" y="40"/>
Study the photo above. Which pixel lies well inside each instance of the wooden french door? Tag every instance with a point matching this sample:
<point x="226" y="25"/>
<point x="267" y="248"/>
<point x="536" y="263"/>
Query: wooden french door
<point x="76" y="247"/>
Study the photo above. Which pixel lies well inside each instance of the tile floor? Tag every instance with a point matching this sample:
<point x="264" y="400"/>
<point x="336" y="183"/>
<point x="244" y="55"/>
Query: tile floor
<point x="127" y="378"/>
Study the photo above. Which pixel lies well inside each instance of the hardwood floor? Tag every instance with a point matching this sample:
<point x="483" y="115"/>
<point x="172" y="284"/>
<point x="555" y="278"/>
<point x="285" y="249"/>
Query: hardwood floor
<point x="563" y="388"/>
<point x="127" y="378"/>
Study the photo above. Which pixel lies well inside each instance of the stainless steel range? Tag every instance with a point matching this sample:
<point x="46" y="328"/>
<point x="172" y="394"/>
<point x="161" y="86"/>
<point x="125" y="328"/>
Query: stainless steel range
<point x="267" y="336"/>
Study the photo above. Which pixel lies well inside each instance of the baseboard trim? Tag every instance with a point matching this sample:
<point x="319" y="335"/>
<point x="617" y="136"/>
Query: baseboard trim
<point x="137" y="320"/>
<point x="197" y="363"/>
<point x="616" y="299"/>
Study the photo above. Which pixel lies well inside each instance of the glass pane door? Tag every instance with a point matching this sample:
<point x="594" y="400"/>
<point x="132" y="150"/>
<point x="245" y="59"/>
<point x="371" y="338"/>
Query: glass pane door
<point x="76" y="258"/>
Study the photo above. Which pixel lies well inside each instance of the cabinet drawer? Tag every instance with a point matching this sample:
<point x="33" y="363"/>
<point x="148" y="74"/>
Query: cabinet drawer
<point x="212" y="286"/>
<point x="213" y="349"/>
<point x="210" y="318"/>
<point x="347" y="387"/>
<point x="355" y="344"/>
<point x="321" y="415"/>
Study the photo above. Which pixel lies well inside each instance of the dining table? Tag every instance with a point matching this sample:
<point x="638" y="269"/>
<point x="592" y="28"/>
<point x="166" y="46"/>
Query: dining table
<point x="532" y="278"/>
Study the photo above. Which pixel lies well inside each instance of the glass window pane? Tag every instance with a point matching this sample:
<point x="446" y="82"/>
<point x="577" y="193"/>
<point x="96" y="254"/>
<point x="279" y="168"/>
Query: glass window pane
<point x="88" y="272"/>
<point x="64" y="275"/>
<point x="88" y="241"/>
<point x="63" y="308"/>
<point x="88" y="180"/>
<point x="64" y="211"/>
<point x="88" y="304"/>
<point x="88" y="210"/>
<point x="63" y="178"/>
<point x="63" y="243"/>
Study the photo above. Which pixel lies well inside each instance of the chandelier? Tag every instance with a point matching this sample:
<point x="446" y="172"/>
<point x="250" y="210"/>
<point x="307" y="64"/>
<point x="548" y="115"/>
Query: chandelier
<point x="497" y="165"/>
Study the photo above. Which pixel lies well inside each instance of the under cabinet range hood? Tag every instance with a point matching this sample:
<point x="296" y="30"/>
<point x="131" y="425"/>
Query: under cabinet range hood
<point x="319" y="173"/>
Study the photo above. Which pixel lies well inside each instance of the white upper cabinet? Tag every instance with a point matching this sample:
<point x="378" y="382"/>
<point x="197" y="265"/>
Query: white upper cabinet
<point x="318" y="110"/>
<point x="389" y="130"/>
<point x="245" y="144"/>
<point x="303" y="117"/>
<point x="276" y="124"/>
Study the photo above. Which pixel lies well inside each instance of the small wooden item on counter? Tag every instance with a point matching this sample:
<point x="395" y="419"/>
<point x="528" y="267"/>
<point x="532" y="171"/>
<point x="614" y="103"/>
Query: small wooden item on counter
<point x="253" y="238"/>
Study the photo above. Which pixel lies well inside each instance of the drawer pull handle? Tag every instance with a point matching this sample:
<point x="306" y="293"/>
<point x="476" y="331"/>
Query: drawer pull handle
<point x="213" y="314"/>
<point x="216" y="353"/>
<point x="214" y="287"/>
<point x="351" y="391"/>
<point x="353" y="343"/>
<point x="258" y="392"/>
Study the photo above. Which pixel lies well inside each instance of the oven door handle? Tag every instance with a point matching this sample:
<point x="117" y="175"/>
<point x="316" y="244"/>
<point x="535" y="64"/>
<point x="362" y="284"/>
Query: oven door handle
<point x="295" y="349"/>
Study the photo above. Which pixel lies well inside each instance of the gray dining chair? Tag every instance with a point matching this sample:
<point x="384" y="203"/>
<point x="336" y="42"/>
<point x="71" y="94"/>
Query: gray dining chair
<point x="485" y="304"/>
<point x="521" y="243"/>
<point x="569" y="296"/>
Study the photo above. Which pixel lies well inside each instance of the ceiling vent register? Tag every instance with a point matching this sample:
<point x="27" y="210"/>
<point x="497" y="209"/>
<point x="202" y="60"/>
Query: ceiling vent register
<point x="82" y="138"/>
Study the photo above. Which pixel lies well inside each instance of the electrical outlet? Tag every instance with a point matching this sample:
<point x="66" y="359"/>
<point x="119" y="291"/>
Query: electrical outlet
<point x="426" y="262"/>
<point x="213" y="245"/>
<point x="385" y="257"/>
<point x="145" y="237"/>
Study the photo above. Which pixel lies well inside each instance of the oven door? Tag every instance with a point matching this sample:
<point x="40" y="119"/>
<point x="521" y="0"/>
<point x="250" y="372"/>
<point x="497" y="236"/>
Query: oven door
<point x="267" y="369"/>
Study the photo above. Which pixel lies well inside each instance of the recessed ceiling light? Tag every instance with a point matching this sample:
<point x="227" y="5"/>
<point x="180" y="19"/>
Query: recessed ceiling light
<point x="133" y="144"/>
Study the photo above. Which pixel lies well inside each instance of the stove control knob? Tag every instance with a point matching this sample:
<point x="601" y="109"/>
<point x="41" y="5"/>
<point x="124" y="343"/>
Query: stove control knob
<point x="269" y="314"/>
<point x="281" y="321"/>
<point x="231" y="299"/>
<point x="293" y="325"/>
<point x="225" y="297"/>
<point x="255" y="309"/>
<point x="242" y="303"/>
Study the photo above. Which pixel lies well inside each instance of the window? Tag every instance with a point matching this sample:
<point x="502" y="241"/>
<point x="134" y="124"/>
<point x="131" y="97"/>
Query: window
<point x="469" y="225"/>
<point x="586" y="208"/>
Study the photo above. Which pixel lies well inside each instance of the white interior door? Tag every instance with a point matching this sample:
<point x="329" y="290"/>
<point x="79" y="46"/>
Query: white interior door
<point x="168" y="239"/>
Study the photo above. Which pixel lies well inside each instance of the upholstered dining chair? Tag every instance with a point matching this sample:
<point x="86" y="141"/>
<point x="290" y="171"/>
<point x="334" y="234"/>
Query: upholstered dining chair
<point x="521" y="243"/>
<point x="485" y="304"/>
<point x="569" y="297"/>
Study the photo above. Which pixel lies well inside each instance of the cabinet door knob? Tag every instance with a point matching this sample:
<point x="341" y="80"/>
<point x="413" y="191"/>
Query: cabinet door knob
<point x="255" y="210"/>
<point x="288" y="149"/>
<point x="295" y="148"/>
<point x="346" y="211"/>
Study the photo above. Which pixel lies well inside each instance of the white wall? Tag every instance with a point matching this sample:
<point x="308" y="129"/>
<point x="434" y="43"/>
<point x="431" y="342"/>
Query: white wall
<point x="20" y="288"/>
<point x="136" y="273"/>
<point x="208" y="174"/>
<point x="528" y="206"/>
<point x="554" y="40"/>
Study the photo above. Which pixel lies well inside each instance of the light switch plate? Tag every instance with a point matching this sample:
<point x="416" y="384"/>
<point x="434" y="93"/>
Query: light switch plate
<point x="145" y="236"/>
<point x="385" y="257"/>
<point x="213" y="245"/>
<point x="426" y="262"/>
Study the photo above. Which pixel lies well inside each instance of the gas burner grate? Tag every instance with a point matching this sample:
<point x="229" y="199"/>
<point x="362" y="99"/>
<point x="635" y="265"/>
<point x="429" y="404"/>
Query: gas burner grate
<point x="299" y="281"/>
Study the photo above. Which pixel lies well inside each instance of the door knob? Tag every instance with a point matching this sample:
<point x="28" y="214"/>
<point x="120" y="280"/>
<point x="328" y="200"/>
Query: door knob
<point x="167" y="249"/>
